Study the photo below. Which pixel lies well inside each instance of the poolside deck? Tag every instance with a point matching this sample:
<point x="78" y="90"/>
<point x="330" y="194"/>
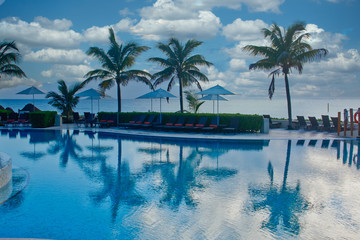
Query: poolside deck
<point x="279" y="133"/>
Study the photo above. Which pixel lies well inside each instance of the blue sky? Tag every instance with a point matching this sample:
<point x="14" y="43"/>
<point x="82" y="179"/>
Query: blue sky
<point x="53" y="37"/>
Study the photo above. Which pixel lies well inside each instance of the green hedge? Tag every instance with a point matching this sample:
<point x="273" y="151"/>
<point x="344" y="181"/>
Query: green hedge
<point x="42" y="119"/>
<point x="247" y="123"/>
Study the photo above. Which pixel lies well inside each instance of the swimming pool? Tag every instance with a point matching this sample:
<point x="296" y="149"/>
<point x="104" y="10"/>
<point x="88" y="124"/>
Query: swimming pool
<point x="86" y="185"/>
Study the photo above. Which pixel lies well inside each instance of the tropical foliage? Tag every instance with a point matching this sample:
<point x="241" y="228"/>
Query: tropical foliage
<point x="9" y="58"/>
<point x="66" y="101"/>
<point x="288" y="50"/>
<point x="193" y="101"/>
<point x="115" y="65"/>
<point x="180" y="65"/>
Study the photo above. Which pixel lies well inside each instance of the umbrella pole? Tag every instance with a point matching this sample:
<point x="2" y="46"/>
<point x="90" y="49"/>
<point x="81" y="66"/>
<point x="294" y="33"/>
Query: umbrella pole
<point x="151" y="105"/>
<point x="218" y="118"/>
<point x="91" y="105"/>
<point x="33" y="102"/>
<point x="213" y="106"/>
<point x="98" y="105"/>
<point x="160" y="112"/>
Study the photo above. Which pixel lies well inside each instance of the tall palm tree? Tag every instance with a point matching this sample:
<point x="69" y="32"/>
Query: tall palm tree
<point x="66" y="100"/>
<point x="115" y="65"/>
<point x="9" y="57"/>
<point x="179" y="65"/>
<point x="287" y="51"/>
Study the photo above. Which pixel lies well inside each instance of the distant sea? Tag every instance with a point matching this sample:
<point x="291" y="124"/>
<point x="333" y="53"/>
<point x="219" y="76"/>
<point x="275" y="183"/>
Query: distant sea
<point x="276" y="107"/>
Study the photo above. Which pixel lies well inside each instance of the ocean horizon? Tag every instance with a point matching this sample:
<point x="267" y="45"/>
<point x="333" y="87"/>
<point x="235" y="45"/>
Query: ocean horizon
<point x="276" y="108"/>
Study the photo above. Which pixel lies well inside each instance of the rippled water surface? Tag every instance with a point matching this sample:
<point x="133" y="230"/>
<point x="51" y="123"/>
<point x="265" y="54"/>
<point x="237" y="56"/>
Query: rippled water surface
<point x="86" y="185"/>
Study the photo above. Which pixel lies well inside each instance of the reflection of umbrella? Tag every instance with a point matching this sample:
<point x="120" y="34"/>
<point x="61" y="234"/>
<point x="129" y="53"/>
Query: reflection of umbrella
<point x="92" y="94"/>
<point x="216" y="90"/>
<point x="32" y="91"/>
<point x="213" y="97"/>
<point x="160" y="93"/>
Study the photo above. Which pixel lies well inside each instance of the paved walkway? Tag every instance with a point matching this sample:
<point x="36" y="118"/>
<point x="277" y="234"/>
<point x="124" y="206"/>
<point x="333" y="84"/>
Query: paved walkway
<point x="273" y="134"/>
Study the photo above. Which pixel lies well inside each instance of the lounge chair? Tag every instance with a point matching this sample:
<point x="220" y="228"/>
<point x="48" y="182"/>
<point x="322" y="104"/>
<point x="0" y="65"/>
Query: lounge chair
<point x="12" y="119"/>
<point x="326" y="125"/>
<point x="152" y="120"/>
<point x="302" y="122"/>
<point x="24" y="119"/>
<point x="335" y="121"/>
<point x="169" y="123"/>
<point x="314" y="123"/>
<point x="177" y="125"/>
<point x="233" y="126"/>
<point x="271" y="123"/>
<point x="131" y="122"/>
<point x="108" y="120"/>
<point x="212" y="126"/>
<point x="77" y="120"/>
<point x="190" y="124"/>
<point x="89" y="119"/>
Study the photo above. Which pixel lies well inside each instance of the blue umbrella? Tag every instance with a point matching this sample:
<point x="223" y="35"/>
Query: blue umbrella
<point x="213" y="97"/>
<point x="216" y="90"/>
<point x="91" y="94"/>
<point x="32" y="91"/>
<point x="160" y="93"/>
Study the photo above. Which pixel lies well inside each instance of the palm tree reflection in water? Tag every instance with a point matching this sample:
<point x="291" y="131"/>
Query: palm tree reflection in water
<point x="118" y="185"/>
<point x="284" y="203"/>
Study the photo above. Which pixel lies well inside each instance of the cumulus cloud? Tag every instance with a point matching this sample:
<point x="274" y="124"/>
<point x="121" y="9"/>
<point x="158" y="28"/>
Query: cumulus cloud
<point x="38" y="33"/>
<point x="126" y="12"/>
<point x="8" y="82"/>
<point x="253" y="5"/>
<point x="101" y="34"/>
<point x="67" y="72"/>
<point x="59" y="56"/>
<point x="244" y="30"/>
<point x="204" y="26"/>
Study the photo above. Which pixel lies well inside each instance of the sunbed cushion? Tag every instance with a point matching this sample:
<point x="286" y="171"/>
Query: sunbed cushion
<point x="213" y="126"/>
<point x="178" y="124"/>
<point x="131" y="121"/>
<point x="147" y="122"/>
<point x="189" y="125"/>
<point x="169" y="124"/>
<point x="199" y="125"/>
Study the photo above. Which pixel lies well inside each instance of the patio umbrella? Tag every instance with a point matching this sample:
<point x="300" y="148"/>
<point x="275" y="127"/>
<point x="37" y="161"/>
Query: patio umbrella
<point x="213" y="97"/>
<point x="216" y="90"/>
<point x="91" y="94"/>
<point x="160" y="93"/>
<point x="32" y="91"/>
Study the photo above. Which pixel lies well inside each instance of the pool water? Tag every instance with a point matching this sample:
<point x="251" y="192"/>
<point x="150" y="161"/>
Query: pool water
<point x="90" y="185"/>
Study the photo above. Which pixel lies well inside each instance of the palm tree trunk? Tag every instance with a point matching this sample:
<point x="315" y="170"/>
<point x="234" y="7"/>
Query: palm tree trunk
<point x="286" y="170"/>
<point x="181" y="96"/>
<point x="288" y="101"/>
<point x="119" y="102"/>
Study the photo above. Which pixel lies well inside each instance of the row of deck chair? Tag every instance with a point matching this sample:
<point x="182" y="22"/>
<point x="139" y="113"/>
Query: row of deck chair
<point x="315" y="125"/>
<point x="15" y="119"/>
<point x="182" y="123"/>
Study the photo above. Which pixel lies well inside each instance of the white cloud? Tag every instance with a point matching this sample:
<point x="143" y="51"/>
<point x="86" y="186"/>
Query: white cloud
<point x="167" y="10"/>
<point x="2" y="1"/>
<point x="205" y="25"/>
<point x="67" y="72"/>
<point x="253" y="5"/>
<point x="101" y="34"/>
<point x="9" y="82"/>
<point x="50" y="55"/>
<point x="126" y="12"/>
<point x="244" y="30"/>
<point x="57" y="24"/>
<point x="34" y="34"/>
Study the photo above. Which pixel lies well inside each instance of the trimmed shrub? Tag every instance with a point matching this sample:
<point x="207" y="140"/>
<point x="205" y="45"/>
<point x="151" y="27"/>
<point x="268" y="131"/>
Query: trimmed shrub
<point x="247" y="123"/>
<point x="42" y="119"/>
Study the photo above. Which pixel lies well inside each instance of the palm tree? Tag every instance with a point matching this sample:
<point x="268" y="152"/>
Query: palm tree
<point x="9" y="57"/>
<point x="66" y="100"/>
<point x="180" y="66"/>
<point x="193" y="100"/>
<point x="287" y="51"/>
<point x="115" y="64"/>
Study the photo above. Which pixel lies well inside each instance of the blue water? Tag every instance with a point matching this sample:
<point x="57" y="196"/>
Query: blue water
<point x="90" y="185"/>
<point x="275" y="107"/>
